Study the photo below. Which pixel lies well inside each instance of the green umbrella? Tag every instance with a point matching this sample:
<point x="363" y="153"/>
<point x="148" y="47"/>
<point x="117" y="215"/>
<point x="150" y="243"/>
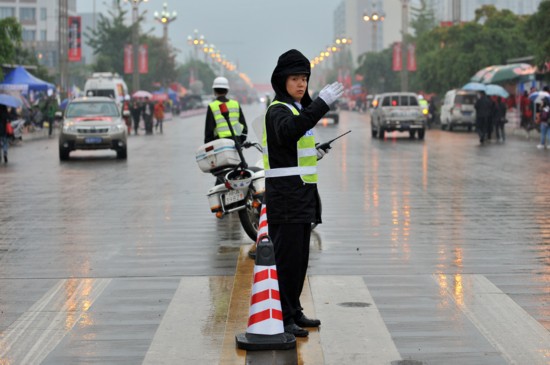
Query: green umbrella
<point x="505" y="73"/>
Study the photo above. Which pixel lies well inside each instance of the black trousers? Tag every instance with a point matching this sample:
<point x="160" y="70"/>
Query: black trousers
<point x="291" y="244"/>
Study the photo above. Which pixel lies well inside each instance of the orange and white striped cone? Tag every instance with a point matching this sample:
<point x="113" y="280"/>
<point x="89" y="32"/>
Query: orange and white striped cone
<point x="262" y="231"/>
<point x="265" y="322"/>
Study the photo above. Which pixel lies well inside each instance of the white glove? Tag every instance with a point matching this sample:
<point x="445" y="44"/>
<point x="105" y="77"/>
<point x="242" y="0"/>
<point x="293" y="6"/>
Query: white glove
<point x="321" y="153"/>
<point x="331" y="93"/>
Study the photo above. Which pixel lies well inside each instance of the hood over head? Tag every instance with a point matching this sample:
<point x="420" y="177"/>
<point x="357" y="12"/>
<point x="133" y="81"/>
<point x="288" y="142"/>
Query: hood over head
<point x="292" y="62"/>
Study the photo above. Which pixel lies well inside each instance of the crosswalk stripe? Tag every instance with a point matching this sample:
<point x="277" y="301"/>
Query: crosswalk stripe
<point x="350" y="333"/>
<point x="192" y="328"/>
<point x="42" y="327"/>
<point x="519" y="337"/>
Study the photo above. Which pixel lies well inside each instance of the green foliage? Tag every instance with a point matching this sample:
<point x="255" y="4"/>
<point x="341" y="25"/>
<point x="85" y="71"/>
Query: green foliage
<point x="200" y="70"/>
<point x="538" y="28"/>
<point x="10" y="40"/>
<point x="376" y="68"/>
<point x="447" y="57"/>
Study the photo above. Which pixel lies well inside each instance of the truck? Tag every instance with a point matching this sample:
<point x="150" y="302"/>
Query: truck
<point x="106" y="84"/>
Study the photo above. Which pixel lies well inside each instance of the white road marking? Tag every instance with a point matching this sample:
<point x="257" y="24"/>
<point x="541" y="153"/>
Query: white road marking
<point x="189" y="332"/>
<point x="41" y="328"/>
<point x="519" y="337"/>
<point x="350" y="335"/>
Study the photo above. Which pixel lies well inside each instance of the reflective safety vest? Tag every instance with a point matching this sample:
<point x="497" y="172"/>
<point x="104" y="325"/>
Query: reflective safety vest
<point x="307" y="155"/>
<point x="222" y="128"/>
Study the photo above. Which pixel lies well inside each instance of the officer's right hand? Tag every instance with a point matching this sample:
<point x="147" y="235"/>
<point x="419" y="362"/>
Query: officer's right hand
<point x="332" y="92"/>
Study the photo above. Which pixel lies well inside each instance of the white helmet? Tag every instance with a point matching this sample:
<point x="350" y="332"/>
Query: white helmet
<point x="220" y="83"/>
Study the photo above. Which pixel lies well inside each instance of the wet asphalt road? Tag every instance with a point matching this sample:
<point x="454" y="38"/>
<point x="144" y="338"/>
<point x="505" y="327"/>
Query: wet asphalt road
<point x="419" y="221"/>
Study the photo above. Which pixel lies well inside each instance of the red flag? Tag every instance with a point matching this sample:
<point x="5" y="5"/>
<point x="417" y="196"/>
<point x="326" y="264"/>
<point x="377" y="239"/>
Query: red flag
<point x="75" y="50"/>
<point x="128" y="59"/>
<point x="396" y="62"/>
<point x="411" y="57"/>
<point x="143" y="59"/>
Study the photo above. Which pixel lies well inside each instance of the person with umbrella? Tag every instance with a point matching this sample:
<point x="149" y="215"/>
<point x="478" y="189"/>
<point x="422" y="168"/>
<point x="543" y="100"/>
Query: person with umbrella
<point x="483" y="107"/>
<point x="544" y="119"/>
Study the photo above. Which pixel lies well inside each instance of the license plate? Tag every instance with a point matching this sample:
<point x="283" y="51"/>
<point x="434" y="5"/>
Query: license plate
<point x="412" y="126"/>
<point x="234" y="196"/>
<point x="92" y="140"/>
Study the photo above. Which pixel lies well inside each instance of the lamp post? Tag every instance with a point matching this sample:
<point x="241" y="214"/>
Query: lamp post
<point x="404" y="45"/>
<point x="165" y="18"/>
<point x="196" y="41"/>
<point x="374" y="18"/>
<point x="135" y="39"/>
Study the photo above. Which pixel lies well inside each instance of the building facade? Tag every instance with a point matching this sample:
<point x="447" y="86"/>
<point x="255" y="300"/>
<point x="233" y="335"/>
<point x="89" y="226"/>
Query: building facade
<point x="39" y="20"/>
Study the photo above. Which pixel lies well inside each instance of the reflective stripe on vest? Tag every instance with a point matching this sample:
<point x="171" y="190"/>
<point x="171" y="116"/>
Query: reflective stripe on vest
<point x="222" y="129"/>
<point x="307" y="155"/>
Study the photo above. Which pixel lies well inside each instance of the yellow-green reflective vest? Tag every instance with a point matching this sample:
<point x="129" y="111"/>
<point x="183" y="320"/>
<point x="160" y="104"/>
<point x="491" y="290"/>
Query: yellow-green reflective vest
<point x="222" y="129"/>
<point x="307" y="155"/>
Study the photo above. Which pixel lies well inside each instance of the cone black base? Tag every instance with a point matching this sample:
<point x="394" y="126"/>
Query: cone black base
<point x="252" y="342"/>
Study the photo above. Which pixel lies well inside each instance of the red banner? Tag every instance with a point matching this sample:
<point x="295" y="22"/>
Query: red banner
<point x="143" y="59"/>
<point x="411" y="57"/>
<point x="128" y="59"/>
<point x="397" y="61"/>
<point x="75" y="49"/>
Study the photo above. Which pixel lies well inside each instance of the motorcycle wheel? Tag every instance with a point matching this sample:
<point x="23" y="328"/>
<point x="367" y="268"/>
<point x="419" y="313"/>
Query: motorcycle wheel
<point x="250" y="217"/>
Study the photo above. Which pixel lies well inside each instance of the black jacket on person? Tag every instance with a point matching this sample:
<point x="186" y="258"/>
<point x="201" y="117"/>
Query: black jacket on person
<point x="4" y="119"/>
<point x="289" y="199"/>
<point x="483" y="107"/>
<point x="210" y="123"/>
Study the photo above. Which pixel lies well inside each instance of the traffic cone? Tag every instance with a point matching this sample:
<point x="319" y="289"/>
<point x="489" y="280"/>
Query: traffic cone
<point x="265" y="322"/>
<point x="262" y="231"/>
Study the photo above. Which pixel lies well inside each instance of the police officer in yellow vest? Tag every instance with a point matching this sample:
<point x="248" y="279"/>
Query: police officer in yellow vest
<point x="290" y="163"/>
<point x="216" y="126"/>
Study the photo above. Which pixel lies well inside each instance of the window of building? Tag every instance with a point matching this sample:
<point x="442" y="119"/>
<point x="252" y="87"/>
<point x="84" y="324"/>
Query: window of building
<point x="43" y="35"/>
<point x="43" y="13"/>
<point x="27" y="14"/>
<point x="28" y="35"/>
<point x="6" y="12"/>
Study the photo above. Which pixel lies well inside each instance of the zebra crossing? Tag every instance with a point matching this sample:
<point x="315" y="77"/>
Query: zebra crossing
<point x="197" y="317"/>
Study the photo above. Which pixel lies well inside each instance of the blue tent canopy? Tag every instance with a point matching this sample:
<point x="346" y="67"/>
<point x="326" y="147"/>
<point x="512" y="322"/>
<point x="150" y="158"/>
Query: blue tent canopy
<point x="21" y="79"/>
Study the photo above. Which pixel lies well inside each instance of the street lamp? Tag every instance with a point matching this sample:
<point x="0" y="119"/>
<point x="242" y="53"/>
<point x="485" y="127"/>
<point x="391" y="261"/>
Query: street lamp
<point x="165" y="18"/>
<point x="374" y="18"/>
<point x="196" y="41"/>
<point x="135" y="16"/>
<point x="404" y="46"/>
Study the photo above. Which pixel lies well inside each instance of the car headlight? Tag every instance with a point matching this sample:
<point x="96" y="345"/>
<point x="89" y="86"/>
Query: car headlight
<point x="69" y="127"/>
<point x="118" y="128"/>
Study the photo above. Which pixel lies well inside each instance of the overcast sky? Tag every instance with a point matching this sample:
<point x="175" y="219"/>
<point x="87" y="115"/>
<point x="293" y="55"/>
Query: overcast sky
<point x="251" y="33"/>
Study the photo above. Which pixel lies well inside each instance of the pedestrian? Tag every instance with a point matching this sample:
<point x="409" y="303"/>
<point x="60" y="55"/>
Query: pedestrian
<point x="544" y="119"/>
<point x="526" y="110"/>
<point x="159" y="115"/>
<point x="135" y="111"/>
<point x="290" y="162"/>
<point x="215" y="125"/>
<point x="126" y="107"/>
<point x="50" y="107"/>
<point x="483" y="107"/>
<point x="500" y="119"/>
<point x="147" y="112"/>
<point x="4" y="140"/>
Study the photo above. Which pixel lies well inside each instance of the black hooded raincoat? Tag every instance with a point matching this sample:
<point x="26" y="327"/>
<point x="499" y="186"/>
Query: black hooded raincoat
<point x="289" y="199"/>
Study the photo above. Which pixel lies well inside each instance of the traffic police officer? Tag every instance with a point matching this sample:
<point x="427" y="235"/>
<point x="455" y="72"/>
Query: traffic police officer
<point x="216" y="126"/>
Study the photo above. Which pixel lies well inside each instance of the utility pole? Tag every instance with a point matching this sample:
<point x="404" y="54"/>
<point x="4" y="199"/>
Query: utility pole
<point x="63" y="47"/>
<point x="404" y="45"/>
<point x="456" y="11"/>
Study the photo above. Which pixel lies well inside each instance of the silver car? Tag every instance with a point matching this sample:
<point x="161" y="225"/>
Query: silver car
<point x="93" y="123"/>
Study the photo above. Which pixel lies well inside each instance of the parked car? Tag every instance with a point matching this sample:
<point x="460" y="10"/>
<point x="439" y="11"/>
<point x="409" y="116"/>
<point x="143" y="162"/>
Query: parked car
<point x="458" y="109"/>
<point x="334" y="112"/>
<point x="397" y="111"/>
<point x="93" y="123"/>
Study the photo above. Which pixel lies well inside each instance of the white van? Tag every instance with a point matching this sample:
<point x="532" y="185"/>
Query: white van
<point x="106" y="84"/>
<point x="458" y="109"/>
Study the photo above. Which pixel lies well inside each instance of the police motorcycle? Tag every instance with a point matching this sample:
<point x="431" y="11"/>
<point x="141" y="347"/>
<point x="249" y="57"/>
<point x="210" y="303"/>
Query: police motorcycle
<point x="239" y="187"/>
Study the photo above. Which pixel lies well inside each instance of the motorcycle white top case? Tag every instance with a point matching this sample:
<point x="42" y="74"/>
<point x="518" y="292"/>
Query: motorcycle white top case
<point x="217" y="154"/>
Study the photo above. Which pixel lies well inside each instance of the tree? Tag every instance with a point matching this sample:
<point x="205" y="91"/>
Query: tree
<point x="377" y="72"/>
<point x="10" y="40"/>
<point x="108" y="40"/>
<point x="194" y="70"/>
<point x="537" y="28"/>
